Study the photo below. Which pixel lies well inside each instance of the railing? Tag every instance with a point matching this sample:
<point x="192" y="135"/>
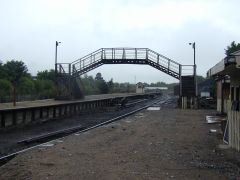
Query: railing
<point x="163" y="61"/>
<point x="230" y="60"/>
<point x="124" y="53"/>
<point x="63" y="68"/>
<point x="188" y="70"/>
<point x="134" y="55"/>
<point x="87" y="60"/>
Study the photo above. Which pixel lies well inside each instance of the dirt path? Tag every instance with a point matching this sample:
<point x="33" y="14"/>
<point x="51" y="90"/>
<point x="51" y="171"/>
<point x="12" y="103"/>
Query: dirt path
<point x="165" y="144"/>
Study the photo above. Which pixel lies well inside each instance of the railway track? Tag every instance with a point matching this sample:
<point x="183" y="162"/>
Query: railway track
<point x="32" y="142"/>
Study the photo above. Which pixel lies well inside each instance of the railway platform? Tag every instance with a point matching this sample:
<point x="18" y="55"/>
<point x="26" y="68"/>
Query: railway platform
<point x="168" y="143"/>
<point x="43" y="110"/>
<point x="48" y="102"/>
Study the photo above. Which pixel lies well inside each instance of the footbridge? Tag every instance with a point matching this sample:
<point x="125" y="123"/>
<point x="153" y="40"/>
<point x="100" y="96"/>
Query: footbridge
<point x="68" y="74"/>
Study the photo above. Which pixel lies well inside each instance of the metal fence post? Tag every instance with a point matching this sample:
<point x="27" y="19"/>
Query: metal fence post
<point x="136" y="53"/>
<point x="168" y="65"/>
<point x="180" y="80"/>
<point x="69" y="69"/>
<point x="112" y="53"/>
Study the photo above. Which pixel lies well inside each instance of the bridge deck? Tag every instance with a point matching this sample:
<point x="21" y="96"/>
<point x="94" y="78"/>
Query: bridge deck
<point x="47" y="102"/>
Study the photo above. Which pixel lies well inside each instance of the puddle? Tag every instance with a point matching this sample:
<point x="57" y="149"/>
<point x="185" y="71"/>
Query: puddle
<point x="139" y="115"/>
<point x="212" y="130"/>
<point x="214" y="119"/>
<point x="47" y="145"/>
<point x="223" y="146"/>
<point x="128" y="121"/>
<point x="153" y="108"/>
<point x="58" y="141"/>
<point x="113" y="125"/>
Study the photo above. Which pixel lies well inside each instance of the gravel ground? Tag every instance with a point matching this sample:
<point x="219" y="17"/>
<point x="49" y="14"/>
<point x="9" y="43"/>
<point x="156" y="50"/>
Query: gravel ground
<point x="165" y="144"/>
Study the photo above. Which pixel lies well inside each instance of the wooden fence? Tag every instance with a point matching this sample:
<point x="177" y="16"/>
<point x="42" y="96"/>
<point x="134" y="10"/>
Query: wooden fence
<point x="234" y="129"/>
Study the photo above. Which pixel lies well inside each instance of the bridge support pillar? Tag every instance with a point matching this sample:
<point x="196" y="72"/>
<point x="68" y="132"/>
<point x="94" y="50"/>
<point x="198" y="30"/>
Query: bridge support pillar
<point x="188" y="98"/>
<point x="68" y="88"/>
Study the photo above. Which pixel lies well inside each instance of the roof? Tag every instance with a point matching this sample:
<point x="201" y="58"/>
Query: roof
<point x="216" y="69"/>
<point x="236" y="53"/>
<point x="222" y="67"/>
<point x="140" y="85"/>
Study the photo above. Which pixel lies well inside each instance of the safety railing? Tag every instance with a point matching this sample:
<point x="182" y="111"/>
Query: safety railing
<point x="63" y="68"/>
<point x="163" y="61"/>
<point x="87" y="60"/>
<point x="141" y="55"/>
<point x="125" y="53"/>
<point x="188" y="70"/>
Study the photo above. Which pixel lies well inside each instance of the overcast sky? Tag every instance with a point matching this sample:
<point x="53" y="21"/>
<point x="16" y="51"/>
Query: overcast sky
<point x="29" y="29"/>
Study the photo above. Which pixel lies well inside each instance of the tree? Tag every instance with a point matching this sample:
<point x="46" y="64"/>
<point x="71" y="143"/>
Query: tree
<point x="45" y="88"/>
<point x="5" y="88"/>
<point x="98" y="77"/>
<point x="2" y="72"/>
<point x="14" y="71"/>
<point x="46" y="75"/>
<point x="213" y="89"/>
<point x="232" y="48"/>
<point x="200" y="79"/>
<point x="102" y="86"/>
<point x="110" y="85"/>
<point x="89" y="85"/>
<point x="26" y="86"/>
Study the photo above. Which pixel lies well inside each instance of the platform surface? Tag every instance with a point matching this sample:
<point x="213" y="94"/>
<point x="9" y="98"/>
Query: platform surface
<point x="159" y="144"/>
<point x="47" y="102"/>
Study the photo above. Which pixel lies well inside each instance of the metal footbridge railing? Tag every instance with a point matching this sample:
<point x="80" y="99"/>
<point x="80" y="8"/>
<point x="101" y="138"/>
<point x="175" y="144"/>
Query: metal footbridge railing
<point x="140" y="56"/>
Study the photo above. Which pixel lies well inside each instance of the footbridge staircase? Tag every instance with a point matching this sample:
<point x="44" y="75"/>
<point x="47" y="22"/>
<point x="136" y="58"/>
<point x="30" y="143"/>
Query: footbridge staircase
<point x="68" y="74"/>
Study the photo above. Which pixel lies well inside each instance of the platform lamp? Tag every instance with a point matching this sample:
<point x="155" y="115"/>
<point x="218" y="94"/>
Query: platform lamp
<point x="57" y="43"/>
<point x="194" y="66"/>
<point x="194" y="57"/>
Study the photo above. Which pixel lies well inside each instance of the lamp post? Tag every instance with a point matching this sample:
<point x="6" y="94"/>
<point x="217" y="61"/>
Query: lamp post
<point x="194" y="66"/>
<point x="57" y="43"/>
<point x="194" y="57"/>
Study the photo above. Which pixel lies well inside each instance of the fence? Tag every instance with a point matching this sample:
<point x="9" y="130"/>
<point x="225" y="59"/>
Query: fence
<point x="234" y="129"/>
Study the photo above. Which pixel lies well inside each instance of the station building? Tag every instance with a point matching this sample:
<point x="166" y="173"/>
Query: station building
<point x="227" y="76"/>
<point x="140" y="88"/>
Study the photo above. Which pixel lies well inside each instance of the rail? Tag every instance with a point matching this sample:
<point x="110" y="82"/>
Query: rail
<point x="37" y="141"/>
